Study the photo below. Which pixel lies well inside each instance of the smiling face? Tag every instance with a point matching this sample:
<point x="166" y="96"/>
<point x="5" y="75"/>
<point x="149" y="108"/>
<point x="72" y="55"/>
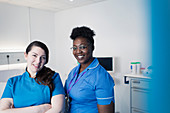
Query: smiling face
<point x="82" y="51"/>
<point x="36" y="59"/>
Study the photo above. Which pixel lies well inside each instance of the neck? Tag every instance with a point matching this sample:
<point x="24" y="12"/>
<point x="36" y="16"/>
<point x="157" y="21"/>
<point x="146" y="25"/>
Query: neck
<point x="32" y="75"/>
<point x="84" y="66"/>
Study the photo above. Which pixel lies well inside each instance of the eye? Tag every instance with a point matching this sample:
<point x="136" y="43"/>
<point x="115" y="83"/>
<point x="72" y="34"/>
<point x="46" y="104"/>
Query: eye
<point x="34" y="55"/>
<point x="44" y="58"/>
<point x="82" y="47"/>
<point x="74" y="48"/>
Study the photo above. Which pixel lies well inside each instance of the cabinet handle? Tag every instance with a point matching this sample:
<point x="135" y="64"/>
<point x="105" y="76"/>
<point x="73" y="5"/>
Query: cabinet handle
<point x="137" y="111"/>
<point x="142" y="90"/>
<point x="136" y="81"/>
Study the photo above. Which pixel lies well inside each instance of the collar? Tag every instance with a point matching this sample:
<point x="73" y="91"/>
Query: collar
<point x="27" y="74"/>
<point x="93" y="65"/>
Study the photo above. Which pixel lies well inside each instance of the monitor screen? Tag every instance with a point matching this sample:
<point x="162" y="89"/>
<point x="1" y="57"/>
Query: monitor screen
<point x="106" y="62"/>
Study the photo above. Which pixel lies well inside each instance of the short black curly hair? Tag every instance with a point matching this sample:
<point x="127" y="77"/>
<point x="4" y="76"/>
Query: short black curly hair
<point x="84" y="32"/>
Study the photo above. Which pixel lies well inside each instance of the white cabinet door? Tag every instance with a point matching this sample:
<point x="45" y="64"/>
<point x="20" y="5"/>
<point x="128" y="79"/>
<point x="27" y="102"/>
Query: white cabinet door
<point x="139" y="95"/>
<point x="140" y="99"/>
<point x="138" y="111"/>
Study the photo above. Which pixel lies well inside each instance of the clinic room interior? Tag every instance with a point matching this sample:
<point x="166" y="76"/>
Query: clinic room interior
<point x="122" y="29"/>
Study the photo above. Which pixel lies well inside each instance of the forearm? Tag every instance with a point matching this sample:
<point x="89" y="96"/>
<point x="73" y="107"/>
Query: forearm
<point x="58" y="104"/>
<point x="33" y="109"/>
<point x="54" y="110"/>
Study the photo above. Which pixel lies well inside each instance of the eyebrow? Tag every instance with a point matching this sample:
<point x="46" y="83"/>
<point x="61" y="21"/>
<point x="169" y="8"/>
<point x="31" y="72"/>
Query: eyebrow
<point x="37" y="54"/>
<point x="80" y="44"/>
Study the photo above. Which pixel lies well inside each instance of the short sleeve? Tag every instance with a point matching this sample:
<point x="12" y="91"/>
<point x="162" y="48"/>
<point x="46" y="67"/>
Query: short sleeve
<point x="8" y="90"/>
<point x="58" y="86"/>
<point x="104" y="88"/>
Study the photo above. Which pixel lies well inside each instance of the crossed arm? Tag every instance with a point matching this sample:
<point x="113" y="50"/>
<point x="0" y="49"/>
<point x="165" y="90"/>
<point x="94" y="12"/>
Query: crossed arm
<point x="57" y="106"/>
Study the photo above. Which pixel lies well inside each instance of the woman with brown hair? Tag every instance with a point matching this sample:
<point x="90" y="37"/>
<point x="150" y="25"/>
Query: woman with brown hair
<point x="38" y="89"/>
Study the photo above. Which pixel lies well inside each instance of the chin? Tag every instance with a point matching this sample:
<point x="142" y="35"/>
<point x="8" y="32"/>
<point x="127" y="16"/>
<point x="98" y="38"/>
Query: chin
<point x="80" y="61"/>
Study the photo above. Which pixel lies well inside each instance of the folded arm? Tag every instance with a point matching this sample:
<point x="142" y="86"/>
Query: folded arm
<point x="58" y="104"/>
<point x="6" y="106"/>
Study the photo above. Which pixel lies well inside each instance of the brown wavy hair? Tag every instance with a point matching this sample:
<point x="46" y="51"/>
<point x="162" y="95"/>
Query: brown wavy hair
<point x="44" y="76"/>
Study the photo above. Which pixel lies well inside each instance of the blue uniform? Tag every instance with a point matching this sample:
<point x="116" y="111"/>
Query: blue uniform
<point x="91" y="87"/>
<point x="25" y="91"/>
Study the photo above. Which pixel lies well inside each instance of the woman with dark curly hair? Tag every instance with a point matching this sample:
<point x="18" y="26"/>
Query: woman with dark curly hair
<point x="38" y="90"/>
<point x="89" y="86"/>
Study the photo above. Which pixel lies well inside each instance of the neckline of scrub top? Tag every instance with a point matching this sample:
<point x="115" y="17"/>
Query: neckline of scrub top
<point x="27" y="76"/>
<point x="93" y="65"/>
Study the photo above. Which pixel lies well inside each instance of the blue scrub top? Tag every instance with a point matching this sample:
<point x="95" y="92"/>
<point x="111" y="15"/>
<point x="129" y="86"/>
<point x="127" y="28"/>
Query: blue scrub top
<point x="94" y="86"/>
<point x="25" y="91"/>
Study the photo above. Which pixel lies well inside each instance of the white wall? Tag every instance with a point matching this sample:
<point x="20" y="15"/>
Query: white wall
<point x="20" y="25"/>
<point x="122" y="30"/>
<point x="42" y="24"/>
<point x="14" y="36"/>
<point x="14" y="27"/>
<point x="121" y="26"/>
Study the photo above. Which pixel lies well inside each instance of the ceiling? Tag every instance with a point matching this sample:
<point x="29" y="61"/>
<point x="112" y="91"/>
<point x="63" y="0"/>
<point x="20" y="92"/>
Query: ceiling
<point x="52" y="5"/>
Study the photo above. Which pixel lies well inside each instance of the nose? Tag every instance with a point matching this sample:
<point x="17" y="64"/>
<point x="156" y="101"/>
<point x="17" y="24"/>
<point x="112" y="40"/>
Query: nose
<point x="38" y="60"/>
<point x="78" y="50"/>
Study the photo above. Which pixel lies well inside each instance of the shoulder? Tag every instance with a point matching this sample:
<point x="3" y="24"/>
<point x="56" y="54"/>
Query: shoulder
<point x="55" y="75"/>
<point x="99" y="71"/>
<point x="96" y="74"/>
<point x="74" y="69"/>
<point x="101" y="75"/>
<point x="72" y="72"/>
<point x="15" y="78"/>
<point x="96" y="69"/>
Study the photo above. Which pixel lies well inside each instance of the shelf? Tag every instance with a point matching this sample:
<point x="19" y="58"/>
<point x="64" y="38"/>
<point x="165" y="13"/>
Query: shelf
<point x="126" y="80"/>
<point x="137" y="76"/>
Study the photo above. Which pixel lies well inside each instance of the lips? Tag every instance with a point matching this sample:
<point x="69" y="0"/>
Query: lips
<point x="80" y="57"/>
<point x="36" y="66"/>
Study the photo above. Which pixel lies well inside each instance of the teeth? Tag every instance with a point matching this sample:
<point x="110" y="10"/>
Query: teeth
<point x="80" y="57"/>
<point x="36" y="66"/>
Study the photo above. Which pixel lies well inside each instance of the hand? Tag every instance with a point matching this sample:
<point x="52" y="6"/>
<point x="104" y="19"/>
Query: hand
<point x="45" y="107"/>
